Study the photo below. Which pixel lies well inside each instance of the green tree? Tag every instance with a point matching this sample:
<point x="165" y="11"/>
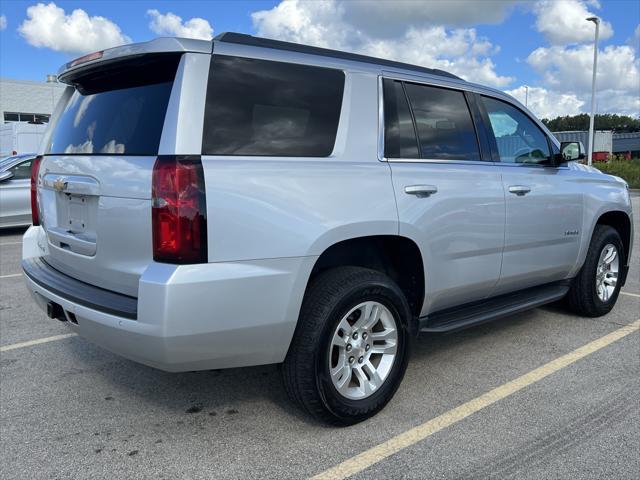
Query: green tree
<point x="607" y="121"/>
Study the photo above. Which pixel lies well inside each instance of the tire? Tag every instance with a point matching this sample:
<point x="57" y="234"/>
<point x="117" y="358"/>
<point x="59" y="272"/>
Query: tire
<point x="583" y="297"/>
<point x="330" y="297"/>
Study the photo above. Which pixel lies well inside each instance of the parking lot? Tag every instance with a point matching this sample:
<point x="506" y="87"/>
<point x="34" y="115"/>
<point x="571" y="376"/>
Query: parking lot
<point x="555" y="409"/>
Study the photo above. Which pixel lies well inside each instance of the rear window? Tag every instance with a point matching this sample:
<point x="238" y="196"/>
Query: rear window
<point x="259" y="107"/>
<point x="119" y="110"/>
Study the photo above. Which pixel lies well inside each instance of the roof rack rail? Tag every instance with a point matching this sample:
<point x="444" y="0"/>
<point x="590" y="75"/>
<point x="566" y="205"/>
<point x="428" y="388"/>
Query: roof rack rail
<point x="244" y="39"/>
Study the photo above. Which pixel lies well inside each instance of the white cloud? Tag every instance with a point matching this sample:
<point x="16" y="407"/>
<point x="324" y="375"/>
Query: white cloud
<point x="571" y="67"/>
<point x="387" y="17"/>
<point x="3" y="22"/>
<point x="86" y="148"/>
<point x="49" y="26"/>
<point x="547" y="103"/>
<point x="564" y="21"/>
<point x="565" y="67"/>
<point x="433" y="34"/>
<point x="568" y="70"/>
<point x="458" y="51"/>
<point x="617" y="101"/>
<point x="171" y="24"/>
<point x="330" y="24"/>
<point x="317" y="23"/>
<point x="112" y="147"/>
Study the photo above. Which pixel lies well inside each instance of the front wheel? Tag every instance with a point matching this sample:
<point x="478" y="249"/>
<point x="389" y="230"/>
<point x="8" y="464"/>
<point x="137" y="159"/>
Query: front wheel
<point x="595" y="290"/>
<point x="351" y="346"/>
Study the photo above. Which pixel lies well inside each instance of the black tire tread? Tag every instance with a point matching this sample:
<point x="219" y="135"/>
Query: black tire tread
<point x="581" y="298"/>
<point x="321" y="297"/>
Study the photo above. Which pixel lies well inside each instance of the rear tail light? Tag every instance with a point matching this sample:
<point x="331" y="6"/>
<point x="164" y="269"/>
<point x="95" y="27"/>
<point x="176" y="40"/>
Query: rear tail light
<point x="179" y="210"/>
<point x="35" y="214"/>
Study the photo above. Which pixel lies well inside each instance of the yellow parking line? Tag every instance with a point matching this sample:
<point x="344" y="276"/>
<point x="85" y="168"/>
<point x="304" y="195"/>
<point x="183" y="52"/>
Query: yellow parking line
<point x="38" y="341"/>
<point x="410" y="437"/>
<point x="630" y="294"/>
<point x="10" y="243"/>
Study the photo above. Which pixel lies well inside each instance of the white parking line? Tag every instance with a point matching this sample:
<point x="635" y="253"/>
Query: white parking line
<point x="11" y="276"/>
<point x="38" y="341"/>
<point x="630" y="294"/>
<point x="10" y="243"/>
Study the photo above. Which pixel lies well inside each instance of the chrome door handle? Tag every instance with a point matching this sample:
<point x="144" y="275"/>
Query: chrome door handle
<point x="519" y="190"/>
<point x="421" y="191"/>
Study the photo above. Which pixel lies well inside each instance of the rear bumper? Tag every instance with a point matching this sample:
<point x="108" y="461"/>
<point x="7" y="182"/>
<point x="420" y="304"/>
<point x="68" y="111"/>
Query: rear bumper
<point x="105" y="301"/>
<point x="189" y="317"/>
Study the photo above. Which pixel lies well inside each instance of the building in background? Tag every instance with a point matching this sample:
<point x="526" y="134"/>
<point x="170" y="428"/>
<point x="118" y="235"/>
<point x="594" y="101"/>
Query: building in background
<point x="605" y="142"/>
<point x="27" y="101"/>
<point x="627" y="144"/>
<point x="25" y="109"/>
<point x="602" y="142"/>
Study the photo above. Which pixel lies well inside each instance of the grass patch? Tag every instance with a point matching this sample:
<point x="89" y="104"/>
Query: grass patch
<point x="627" y="169"/>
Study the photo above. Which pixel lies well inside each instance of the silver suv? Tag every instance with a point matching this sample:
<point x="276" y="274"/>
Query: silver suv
<point x="202" y="205"/>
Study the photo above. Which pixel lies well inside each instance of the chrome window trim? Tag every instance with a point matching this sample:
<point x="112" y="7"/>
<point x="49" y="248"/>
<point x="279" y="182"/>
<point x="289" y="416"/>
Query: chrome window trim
<point x="452" y="86"/>
<point x="381" y="156"/>
<point x="472" y="162"/>
<point x="438" y="160"/>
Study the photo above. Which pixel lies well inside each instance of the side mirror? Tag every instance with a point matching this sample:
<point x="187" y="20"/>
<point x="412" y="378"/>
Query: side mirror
<point x="570" y="151"/>
<point x="6" y="175"/>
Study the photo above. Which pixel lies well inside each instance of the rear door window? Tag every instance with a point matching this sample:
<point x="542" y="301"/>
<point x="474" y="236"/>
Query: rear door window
<point x="118" y="111"/>
<point x="260" y="107"/>
<point x="444" y="124"/>
<point x="399" y="133"/>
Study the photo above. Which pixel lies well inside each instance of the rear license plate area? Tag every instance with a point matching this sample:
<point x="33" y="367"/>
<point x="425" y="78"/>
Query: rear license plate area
<point x="77" y="218"/>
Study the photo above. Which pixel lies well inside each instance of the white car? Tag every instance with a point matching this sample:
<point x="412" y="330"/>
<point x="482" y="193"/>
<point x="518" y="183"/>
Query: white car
<point x="15" y="197"/>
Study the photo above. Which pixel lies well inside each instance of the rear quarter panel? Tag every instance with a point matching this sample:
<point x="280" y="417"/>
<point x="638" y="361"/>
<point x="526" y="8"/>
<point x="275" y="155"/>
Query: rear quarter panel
<point x="270" y="207"/>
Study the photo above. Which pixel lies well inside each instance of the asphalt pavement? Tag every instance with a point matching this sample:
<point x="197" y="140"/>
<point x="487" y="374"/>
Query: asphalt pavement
<point x="69" y="409"/>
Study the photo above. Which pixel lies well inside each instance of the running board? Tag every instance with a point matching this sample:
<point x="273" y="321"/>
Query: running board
<point x="465" y="316"/>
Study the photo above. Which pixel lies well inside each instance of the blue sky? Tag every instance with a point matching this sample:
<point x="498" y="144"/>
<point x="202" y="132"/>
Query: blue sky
<point x="543" y="44"/>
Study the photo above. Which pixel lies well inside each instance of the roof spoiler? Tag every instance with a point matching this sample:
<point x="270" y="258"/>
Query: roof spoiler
<point x="160" y="45"/>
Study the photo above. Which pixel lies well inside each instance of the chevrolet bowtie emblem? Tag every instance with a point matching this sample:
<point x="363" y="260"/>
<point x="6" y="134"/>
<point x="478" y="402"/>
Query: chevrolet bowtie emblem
<point x="59" y="185"/>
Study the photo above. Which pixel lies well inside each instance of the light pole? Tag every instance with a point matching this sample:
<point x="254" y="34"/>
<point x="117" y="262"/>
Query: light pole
<point x="595" y="20"/>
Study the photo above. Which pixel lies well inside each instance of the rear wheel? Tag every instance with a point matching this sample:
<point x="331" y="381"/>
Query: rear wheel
<point x="350" y="349"/>
<point x="596" y="288"/>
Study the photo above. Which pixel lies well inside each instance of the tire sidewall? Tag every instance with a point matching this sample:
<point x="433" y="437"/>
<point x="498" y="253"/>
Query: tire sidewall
<point x="610" y="237"/>
<point x="352" y="411"/>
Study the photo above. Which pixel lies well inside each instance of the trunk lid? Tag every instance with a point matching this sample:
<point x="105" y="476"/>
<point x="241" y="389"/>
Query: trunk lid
<point x="94" y="190"/>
